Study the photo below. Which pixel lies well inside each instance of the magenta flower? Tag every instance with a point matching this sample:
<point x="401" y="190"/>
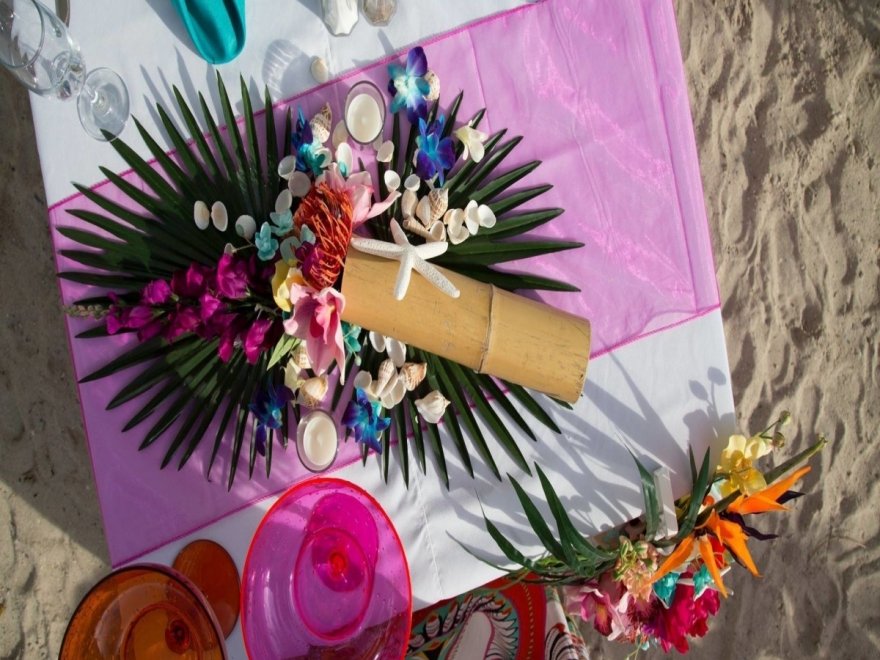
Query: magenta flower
<point x="255" y="339"/>
<point x="685" y="617"/>
<point x="156" y="293"/>
<point x="606" y="603"/>
<point x="232" y="277"/>
<point x="192" y="282"/>
<point x="181" y="321"/>
<point x="316" y="320"/>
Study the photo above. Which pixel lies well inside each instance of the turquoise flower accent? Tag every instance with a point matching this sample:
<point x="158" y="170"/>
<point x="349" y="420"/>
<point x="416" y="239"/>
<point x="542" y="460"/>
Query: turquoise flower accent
<point x="266" y="244"/>
<point x="364" y="418"/>
<point x="283" y="222"/>
<point x="409" y="87"/>
<point x="351" y="334"/>
<point x="702" y="581"/>
<point x="664" y="588"/>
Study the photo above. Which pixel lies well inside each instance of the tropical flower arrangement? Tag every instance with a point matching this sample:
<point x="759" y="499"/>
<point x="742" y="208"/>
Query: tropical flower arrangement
<point x="228" y="273"/>
<point x="648" y="588"/>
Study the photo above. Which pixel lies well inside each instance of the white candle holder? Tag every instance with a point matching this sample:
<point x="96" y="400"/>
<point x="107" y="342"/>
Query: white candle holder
<point x="365" y="111"/>
<point x="313" y="441"/>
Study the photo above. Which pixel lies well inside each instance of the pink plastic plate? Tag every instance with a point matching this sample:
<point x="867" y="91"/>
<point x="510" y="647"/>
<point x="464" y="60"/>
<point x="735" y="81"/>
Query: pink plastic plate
<point x="326" y="576"/>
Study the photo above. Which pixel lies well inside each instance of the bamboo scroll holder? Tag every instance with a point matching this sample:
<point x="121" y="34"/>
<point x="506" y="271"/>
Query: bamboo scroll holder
<point x="487" y="329"/>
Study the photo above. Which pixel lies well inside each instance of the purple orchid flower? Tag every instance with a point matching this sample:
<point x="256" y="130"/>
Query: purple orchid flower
<point x="436" y="154"/>
<point x="268" y="407"/>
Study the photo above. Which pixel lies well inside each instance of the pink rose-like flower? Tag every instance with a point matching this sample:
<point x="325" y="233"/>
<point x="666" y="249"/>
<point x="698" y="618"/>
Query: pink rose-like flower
<point x="317" y="321"/>
<point x="359" y="187"/>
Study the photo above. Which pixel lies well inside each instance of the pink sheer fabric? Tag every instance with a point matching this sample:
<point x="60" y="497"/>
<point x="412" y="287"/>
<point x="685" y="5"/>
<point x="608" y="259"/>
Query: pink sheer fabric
<point x="597" y="90"/>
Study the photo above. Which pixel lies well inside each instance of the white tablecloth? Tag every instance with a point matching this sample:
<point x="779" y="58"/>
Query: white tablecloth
<point x="655" y="396"/>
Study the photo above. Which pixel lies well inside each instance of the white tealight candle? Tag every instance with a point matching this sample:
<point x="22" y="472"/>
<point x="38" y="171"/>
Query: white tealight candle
<point x="317" y="441"/>
<point x="363" y="118"/>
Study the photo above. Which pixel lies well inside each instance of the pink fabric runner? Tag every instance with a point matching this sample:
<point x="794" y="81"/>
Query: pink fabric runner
<point x="597" y="88"/>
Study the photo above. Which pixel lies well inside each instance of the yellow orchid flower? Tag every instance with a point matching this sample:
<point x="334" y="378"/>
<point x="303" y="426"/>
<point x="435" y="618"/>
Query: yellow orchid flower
<point x="737" y="462"/>
<point x="286" y="275"/>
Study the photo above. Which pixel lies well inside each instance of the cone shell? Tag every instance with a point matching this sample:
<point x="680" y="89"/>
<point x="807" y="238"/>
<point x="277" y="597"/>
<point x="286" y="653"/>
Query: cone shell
<point x="416" y="227"/>
<point x="313" y="391"/>
<point x="412" y="374"/>
<point x="322" y="123"/>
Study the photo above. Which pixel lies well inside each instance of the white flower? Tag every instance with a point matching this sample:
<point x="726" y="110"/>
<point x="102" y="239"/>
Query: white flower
<point x="472" y="139"/>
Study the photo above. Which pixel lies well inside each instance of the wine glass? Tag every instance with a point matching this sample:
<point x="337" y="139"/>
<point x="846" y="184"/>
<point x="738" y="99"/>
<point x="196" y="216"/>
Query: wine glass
<point x="36" y="48"/>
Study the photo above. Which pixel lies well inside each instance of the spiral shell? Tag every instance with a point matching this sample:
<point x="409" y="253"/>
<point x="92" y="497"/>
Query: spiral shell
<point x="386" y="371"/>
<point x="438" y="199"/>
<point x="432" y="407"/>
<point x="321" y="124"/>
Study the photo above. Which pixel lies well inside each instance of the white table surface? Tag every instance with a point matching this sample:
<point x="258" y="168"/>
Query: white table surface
<point x="647" y="396"/>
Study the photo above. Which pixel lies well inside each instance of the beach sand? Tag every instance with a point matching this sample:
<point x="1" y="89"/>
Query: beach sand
<point x="786" y="106"/>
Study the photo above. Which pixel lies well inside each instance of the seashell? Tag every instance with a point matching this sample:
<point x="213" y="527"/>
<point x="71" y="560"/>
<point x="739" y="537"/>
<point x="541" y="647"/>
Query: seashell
<point x="321" y="124"/>
<point x="340" y="134"/>
<point x="439" y="199"/>
<point x="385" y="152"/>
<point x="432" y="407"/>
<point x="436" y="232"/>
<point x="377" y="341"/>
<point x="414" y="226"/>
<point x="246" y="227"/>
<point x="486" y="216"/>
<point x="219" y="216"/>
<point x="413" y="182"/>
<point x="313" y="391"/>
<point x="300" y="357"/>
<point x="472" y="217"/>
<point x="434" y="81"/>
<point x="423" y="211"/>
<point x="319" y="70"/>
<point x="293" y="379"/>
<point x="412" y="374"/>
<point x="229" y="248"/>
<point x="379" y="13"/>
<point x="456" y="231"/>
<point x="284" y="201"/>
<point x="299" y="184"/>
<point x="287" y="167"/>
<point x="408" y="203"/>
<point x="392" y="180"/>
<point x="363" y="381"/>
<point x="384" y="375"/>
<point x="396" y="351"/>
<point x="344" y="156"/>
<point x="201" y="215"/>
<point x="393" y="393"/>
<point x="340" y="16"/>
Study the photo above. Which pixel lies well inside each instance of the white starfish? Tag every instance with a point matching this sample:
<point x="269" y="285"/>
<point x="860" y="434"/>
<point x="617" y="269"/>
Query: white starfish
<point x="410" y="257"/>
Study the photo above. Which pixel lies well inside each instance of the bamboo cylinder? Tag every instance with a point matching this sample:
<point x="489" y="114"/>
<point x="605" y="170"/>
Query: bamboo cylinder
<point x="487" y="329"/>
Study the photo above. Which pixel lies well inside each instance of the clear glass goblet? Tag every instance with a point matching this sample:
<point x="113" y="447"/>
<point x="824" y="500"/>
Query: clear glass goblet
<point x="36" y="48"/>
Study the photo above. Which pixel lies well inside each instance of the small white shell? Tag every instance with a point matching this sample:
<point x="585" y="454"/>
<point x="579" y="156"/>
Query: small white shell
<point x="219" y="216"/>
<point x="363" y="381"/>
<point x="456" y="231"/>
<point x="284" y="201"/>
<point x="408" y="203"/>
<point x="378" y="142"/>
<point x="287" y="167"/>
<point x="436" y="232"/>
<point x="344" y="156"/>
<point x="486" y="216"/>
<point x="432" y="407"/>
<point x="423" y="211"/>
<point x="319" y="70"/>
<point x="229" y="248"/>
<point x="412" y="182"/>
<point x="300" y="357"/>
<point x="392" y="180"/>
<point x="246" y="227"/>
<point x="299" y="184"/>
<point x="201" y="215"/>
<point x="313" y="391"/>
<point x="385" y="152"/>
<point x="472" y="217"/>
<point x="412" y="374"/>
<point x="393" y="393"/>
<point x="340" y="134"/>
<point x="383" y="376"/>
<point x="292" y="376"/>
<point x="434" y="81"/>
<point x="321" y="123"/>
<point x="396" y="351"/>
<point x="377" y="341"/>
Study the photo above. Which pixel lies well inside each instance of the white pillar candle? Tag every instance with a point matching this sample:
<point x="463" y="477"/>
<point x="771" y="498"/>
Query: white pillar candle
<point x="363" y="118"/>
<point x="317" y="441"/>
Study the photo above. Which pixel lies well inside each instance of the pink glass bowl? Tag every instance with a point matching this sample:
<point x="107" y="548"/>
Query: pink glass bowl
<point x="326" y="576"/>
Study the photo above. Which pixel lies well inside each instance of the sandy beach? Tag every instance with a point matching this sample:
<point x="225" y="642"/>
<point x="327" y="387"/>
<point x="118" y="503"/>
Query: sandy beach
<point x="786" y="106"/>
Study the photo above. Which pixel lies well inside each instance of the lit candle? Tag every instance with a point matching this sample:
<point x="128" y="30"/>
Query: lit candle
<point x="364" y="112"/>
<point x="317" y="441"/>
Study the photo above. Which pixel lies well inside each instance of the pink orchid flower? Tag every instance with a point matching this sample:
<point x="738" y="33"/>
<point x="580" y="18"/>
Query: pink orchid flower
<point x="316" y="320"/>
<point x="359" y="187"/>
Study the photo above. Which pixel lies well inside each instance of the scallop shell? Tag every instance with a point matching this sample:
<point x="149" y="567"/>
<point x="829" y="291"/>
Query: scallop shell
<point x="434" y="81"/>
<point x="201" y="215"/>
<point x="384" y="375"/>
<point x="284" y="201"/>
<point x="313" y="391"/>
<point x="412" y="374"/>
<point x="413" y="182"/>
<point x="439" y="200"/>
<point x="299" y="184"/>
<point x="246" y="227"/>
<point x="219" y="216"/>
<point x="319" y="70"/>
<point x="392" y="180"/>
<point x="300" y="357"/>
<point x="340" y="134"/>
<point x="385" y="152"/>
<point x="321" y="124"/>
<point x="408" y="203"/>
<point x="287" y="167"/>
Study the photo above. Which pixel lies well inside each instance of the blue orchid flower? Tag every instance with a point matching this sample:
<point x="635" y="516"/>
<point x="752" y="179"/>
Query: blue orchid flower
<point x="283" y="222"/>
<point x="351" y="334"/>
<point x="266" y="244"/>
<point x="436" y="154"/>
<point x="409" y="87"/>
<point x="664" y="588"/>
<point x="302" y="140"/>
<point x="363" y="417"/>
<point x="267" y="407"/>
